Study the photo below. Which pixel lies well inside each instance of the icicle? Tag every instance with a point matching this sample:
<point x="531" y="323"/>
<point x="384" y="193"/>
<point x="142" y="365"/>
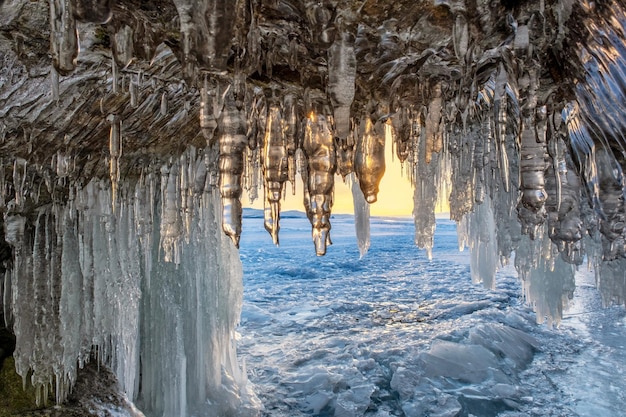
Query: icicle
<point x="318" y="178"/>
<point x="114" y="79"/>
<point x="115" y="152"/>
<point x="19" y="181"/>
<point x="361" y="216"/>
<point x="402" y="124"/>
<point x="548" y="282"/>
<point x="341" y="81"/>
<point x="3" y="185"/>
<point x="261" y="113"/>
<point x="291" y="136"/>
<point x="424" y="195"/>
<point x="122" y="46"/>
<point x="187" y="28"/>
<point x="612" y="203"/>
<point x="275" y="169"/>
<point x="163" y="108"/>
<point x="63" y="36"/>
<point x="62" y="164"/>
<point x="460" y="37"/>
<point x="479" y="155"/>
<point x="500" y="118"/>
<point x="533" y="152"/>
<point x="171" y="222"/>
<point x="434" y="131"/>
<point x="231" y="144"/>
<point x="563" y="202"/>
<point x="369" y="158"/>
<point x="54" y="83"/>
<point x="254" y="52"/>
<point x="211" y="106"/>
<point x="132" y="90"/>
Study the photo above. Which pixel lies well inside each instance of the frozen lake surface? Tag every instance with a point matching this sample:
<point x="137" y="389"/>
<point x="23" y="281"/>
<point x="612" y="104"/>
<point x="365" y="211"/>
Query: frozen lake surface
<point x="394" y="334"/>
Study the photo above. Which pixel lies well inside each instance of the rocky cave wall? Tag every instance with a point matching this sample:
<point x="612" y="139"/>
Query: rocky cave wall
<point x="140" y="113"/>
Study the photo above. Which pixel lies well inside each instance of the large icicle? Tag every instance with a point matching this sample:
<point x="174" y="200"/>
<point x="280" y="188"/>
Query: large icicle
<point x="232" y="142"/>
<point x="318" y="178"/>
<point x="481" y="233"/>
<point x="369" y="157"/>
<point x="275" y="169"/>
<point x="361" y="216"/>
<point x="532" y="163"/>
<point x="341" y="81"/>
<point x="96" y="11"/>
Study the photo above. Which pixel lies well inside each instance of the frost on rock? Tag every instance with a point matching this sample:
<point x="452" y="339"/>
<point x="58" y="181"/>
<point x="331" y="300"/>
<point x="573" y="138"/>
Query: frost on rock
<point x="511" y="115"/>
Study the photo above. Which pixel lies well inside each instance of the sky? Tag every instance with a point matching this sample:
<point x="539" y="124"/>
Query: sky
<point x="395" y="197"/>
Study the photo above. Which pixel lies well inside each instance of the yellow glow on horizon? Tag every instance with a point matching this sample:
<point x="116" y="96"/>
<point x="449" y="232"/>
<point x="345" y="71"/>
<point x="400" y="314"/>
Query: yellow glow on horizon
<point x="395" y="197"/>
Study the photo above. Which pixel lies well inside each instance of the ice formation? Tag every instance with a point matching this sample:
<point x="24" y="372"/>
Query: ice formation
<point x="150" y="291"/>
<point x="118" y="146"/>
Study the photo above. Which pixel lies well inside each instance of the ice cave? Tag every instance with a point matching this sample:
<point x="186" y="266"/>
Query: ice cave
<point x="132" y="132"/>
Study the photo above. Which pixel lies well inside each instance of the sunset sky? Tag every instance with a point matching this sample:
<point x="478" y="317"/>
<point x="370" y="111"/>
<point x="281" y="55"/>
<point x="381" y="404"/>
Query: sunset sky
<point x="395" y="197"/>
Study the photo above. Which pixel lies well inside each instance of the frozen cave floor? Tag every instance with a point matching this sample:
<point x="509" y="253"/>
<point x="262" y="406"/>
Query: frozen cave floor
<point x="394" y="334"/>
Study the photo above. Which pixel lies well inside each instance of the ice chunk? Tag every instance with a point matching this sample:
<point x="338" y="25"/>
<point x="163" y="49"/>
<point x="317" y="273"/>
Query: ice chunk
<point x="468" y="363"/>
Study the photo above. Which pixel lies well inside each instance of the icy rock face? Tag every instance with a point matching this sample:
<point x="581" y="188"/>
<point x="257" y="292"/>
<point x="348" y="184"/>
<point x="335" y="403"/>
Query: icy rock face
<point x="155" y="281"/>
<point x="512" y="114"/>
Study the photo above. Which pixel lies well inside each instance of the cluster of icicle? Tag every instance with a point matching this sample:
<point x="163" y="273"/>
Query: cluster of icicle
<point x="497" y="150"/>
<point x="487" y="134"/>
<point x="146" y="282"/>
